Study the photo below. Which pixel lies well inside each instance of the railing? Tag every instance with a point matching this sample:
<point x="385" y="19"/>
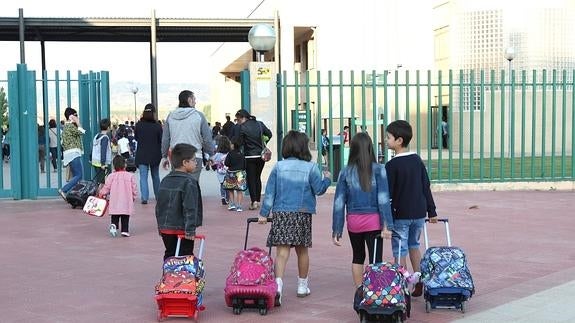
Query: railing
<point x="500" y="128"/>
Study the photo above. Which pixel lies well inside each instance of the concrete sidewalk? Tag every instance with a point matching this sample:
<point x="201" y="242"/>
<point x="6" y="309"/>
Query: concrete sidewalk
<point x="59" y="265"/>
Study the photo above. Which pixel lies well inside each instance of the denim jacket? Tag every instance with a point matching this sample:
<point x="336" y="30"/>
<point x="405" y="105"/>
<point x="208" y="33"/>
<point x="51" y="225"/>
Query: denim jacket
<point x="351" y="198"/>
<point x="179" y="203"/>
<point x="292" y="187"/>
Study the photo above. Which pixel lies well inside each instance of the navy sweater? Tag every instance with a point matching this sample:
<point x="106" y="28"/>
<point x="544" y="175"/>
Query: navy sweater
<point x="409" y="187"/>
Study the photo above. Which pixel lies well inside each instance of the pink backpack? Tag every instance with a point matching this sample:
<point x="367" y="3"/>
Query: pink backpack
<point x="251" y="267"/>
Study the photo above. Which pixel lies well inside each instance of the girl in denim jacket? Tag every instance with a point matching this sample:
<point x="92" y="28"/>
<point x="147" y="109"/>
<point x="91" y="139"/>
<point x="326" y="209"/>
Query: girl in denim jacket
<point x="362" y="190"/>
<point x="290" y="195"/>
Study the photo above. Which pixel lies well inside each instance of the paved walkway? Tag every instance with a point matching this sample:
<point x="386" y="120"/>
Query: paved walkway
<point x="59" y="265"/>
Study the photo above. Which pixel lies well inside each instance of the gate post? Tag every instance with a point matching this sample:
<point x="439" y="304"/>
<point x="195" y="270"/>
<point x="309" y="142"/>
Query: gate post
<point x="24" y="129"/>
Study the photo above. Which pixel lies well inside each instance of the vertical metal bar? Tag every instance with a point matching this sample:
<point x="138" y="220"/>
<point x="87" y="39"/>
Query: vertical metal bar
<point x="543" y="122"/>
<point x="58" y="127"/>
<point x="471" y="122"/>
<point x="296" y="97"/>
<point x="45" y="117"/>
<point x="330" y="121"/>
<point x="319" y="114"/>
<point x="281" y="115"/>
<point x="341" y="116"/>
<point x="407" y="96"/>
<point x="69" y="88"/>
<point x="481" y="122"/>
<point x="396" y="95"/>
<point x="438" y="130"/>
<point x="523" y="117"/>
<point x="502" y="125"/>
<point x="307" y="107"/>
<point x="385" y="111"/>
<point x="492" y="125"/>
<point x="533" y="122"/>
<point x="450" y="125"/>
<point x="363" y="102"/>
<point x="285" y="105"/>
<point x="461" y="124"/>
<point x="374" y="116"/>
<point x="512" y="125"/>
<point x="418" y="111"/>
<point x="353" y="125"/>
<point x="553" y="120"/>
<point x="573" y="124"/>
<point x="429" y="112"/>
<point x="563" y="122"/>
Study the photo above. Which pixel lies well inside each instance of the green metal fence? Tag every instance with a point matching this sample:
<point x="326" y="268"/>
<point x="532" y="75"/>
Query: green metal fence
<point x="32" y="102"/>
<point x="501" y="127"/>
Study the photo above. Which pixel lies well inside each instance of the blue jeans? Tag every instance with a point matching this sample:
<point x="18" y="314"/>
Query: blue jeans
<point x="409" y="232"/>
<point x="77" y="170"/>
<point x="155" y="172"/>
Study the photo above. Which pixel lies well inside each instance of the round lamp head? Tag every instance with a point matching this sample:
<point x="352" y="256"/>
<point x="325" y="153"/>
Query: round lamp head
<point x="262" y="37"/>
<point x="509" y="53"/>
<point x="134" y="89"/>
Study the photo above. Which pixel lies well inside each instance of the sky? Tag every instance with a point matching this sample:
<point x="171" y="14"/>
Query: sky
<point x="129" y="62"/>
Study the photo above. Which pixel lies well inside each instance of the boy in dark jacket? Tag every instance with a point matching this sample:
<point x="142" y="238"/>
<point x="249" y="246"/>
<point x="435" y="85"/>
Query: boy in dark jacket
<point x="179" y="202"/>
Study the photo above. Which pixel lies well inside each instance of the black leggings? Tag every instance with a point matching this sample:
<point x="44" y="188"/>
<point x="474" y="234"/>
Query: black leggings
<point x="254" y="167"/>
<point x="125" y="219"/>
<point x="360" y="240"/>
<point x="171" y="241"/>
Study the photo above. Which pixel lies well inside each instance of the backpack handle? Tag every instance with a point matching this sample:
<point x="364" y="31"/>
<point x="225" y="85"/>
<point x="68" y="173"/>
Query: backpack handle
<point x="251" y="220"/>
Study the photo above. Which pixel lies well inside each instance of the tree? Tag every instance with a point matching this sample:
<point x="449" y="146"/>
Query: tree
<point x="3" y="108"/>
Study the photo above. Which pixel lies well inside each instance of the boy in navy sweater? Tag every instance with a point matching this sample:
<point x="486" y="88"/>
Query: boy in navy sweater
<point x="411" y="199"/>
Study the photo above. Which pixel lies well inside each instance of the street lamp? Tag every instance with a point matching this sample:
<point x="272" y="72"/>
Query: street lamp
<point x="134" y="91"/>
<point x="262" y="38"/>
<point x="509" y="56"/>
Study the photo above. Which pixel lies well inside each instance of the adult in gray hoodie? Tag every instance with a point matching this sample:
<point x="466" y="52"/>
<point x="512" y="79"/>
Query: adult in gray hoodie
<point x="189" y="126"/>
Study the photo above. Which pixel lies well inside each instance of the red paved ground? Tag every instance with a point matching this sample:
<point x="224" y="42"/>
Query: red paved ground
<point x="58" y="265"/>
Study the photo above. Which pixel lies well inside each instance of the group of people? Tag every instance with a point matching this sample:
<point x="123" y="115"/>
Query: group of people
<point x="376" y="201"/>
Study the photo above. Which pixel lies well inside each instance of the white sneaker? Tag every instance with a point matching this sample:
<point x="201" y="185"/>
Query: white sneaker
<point x="113" y="230"/>
<point x="302" y="287"/>
<point x="231" y="207"/>
<point x="278" y="300"/>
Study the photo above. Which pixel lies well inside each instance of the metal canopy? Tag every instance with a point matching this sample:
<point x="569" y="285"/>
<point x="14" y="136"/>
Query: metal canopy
<point x="128" y="29"/>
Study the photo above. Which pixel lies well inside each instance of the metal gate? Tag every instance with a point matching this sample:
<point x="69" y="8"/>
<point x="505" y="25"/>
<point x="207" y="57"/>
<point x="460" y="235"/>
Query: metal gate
<point x="27" y="172"/>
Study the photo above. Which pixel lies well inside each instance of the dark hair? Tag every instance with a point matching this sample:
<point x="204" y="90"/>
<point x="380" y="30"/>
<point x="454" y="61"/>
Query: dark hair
<point x="119" y="162"/>
<point x="68" y="112"/>
<point x="182" y="152"/>
<point x="183" y="98"/>
<point x="224" y="144"/>
<point x="237" y="142"/>
<point x="105" y="124"/>
<point x="296" y="144"/>
<point x="228" y="118"/>
<point x="148" y="114"/>
<point x="400" y="129"/>
<point x="361" y="156"/>
<point x="52" y="123"/>
<point x="242" y="113"/>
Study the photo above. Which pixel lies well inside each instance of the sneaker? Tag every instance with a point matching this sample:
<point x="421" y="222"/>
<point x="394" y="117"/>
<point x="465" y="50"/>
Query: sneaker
<point x="62" y="194"/>
<point x="302" y="287"/>
<point x="255" y="205"/>
<point x="231" y="207"/>
<point x="418" y="289"/>
<point x="113" y="230"/>
<point x="144" y="202"/>
<point x="278" y="300"/>
<point x="224" y="202"/>
<point x="239" y="209"/>
<point x="125" y="234"/>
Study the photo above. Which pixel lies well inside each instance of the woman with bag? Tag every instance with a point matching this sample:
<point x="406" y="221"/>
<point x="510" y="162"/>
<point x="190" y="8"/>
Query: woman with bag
<point x="252" y="136"/>
<point x="235" y="178"/>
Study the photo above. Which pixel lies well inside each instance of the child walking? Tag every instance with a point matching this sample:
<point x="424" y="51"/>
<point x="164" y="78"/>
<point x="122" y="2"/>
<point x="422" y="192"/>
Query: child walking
<point x="235" y="178"/>
<point x="179" y="202"/>
<point x="411" y="198"/>
<point x="290" y="196"/>
<point x="223" y="148"/>
<point x="102" y="152"/>
<point x="120" y="186"/>
<point x="362" y="190"/>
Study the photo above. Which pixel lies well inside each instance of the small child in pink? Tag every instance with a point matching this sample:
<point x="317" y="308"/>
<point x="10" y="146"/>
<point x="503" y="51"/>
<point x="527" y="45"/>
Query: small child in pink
<point x="120" y="187"/>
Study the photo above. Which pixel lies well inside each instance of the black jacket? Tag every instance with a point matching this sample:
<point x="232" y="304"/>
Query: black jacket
<point x="149" y="138"/>
<point x="179" y="203"/>
<point x="251" y="133"/>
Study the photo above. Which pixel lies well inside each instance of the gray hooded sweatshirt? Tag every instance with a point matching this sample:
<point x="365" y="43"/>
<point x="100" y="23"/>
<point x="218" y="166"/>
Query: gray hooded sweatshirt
<point x="189" y="126"/>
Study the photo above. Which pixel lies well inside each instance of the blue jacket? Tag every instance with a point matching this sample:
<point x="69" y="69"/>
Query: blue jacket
<point x="292" y="187"/>
<point x="351" y="198"/>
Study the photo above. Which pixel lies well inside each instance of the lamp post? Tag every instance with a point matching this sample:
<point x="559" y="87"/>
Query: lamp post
<point x="262" y="38"/>
<point x="134" y="91"/>
<point x="509" y="56"/>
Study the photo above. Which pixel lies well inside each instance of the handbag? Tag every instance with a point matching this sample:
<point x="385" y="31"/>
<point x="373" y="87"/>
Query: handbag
<point x="95" y="206"/>
<point x="235" y="180"/>
<point x="266" y="152"/>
